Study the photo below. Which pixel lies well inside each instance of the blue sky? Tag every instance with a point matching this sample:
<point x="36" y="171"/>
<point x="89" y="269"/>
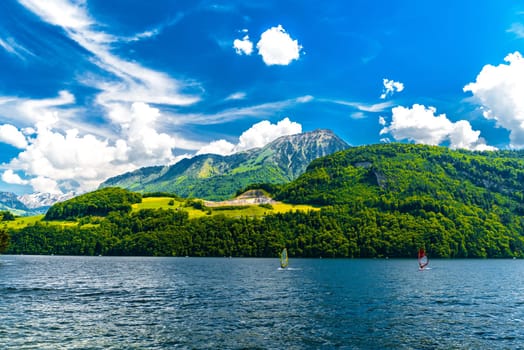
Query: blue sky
<point x="92" y="89"/>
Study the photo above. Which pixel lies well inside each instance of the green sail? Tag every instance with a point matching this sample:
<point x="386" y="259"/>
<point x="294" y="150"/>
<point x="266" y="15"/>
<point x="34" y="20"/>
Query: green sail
<point x="283" y="258"/>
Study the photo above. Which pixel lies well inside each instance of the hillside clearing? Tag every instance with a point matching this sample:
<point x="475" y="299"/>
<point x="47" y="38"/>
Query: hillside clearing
<point x="233" y="208"/>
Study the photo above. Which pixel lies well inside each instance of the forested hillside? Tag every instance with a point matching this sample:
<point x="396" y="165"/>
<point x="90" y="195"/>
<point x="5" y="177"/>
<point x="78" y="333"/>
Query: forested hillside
<point x="394" y="176"/>
<point x="376" y="201"/>
<point x="456" y="203"/>
<point x="98" y="203"/>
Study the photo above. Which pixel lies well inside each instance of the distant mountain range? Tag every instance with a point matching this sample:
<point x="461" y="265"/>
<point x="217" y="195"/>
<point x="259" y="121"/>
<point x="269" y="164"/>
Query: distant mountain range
<point x="30" y="204"/>
<point x="9" y="201"/>
<point x="39" y="199"/>
<point x="215" y="177"/>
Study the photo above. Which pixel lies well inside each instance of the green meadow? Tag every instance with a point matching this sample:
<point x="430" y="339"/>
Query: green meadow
<point x="228" y="210"/>
<point x="175" y="204"/>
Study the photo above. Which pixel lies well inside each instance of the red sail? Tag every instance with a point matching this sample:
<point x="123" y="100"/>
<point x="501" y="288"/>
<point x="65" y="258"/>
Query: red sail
<point x="422" y="258"/>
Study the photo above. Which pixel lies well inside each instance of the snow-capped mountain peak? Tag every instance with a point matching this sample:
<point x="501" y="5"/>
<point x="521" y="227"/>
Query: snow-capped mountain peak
<point x="40" y="199"/>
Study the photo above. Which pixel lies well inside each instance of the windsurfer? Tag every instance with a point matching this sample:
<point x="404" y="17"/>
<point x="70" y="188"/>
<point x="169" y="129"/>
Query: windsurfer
<point x="423" y="260"/>
<point x="422" y="265"/>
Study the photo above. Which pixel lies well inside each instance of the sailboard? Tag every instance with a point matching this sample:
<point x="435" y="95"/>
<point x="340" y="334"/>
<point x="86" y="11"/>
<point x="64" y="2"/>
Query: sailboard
<point x="283" y="258"/>
<point x="422" y="259"/>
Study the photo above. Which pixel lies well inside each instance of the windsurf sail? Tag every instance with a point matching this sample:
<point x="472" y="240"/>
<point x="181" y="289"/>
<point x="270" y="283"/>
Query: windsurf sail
<point x="283" y="258"/>
<point x="422" y="259"/>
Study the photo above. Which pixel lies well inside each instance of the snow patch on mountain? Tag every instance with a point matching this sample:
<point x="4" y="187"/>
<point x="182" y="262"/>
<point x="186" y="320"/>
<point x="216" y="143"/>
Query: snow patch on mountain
<point x="40" y="199"/>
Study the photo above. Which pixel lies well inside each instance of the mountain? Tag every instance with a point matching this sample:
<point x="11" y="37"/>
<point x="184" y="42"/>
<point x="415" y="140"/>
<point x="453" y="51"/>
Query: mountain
<point x="216" y="177"/>
<point x="30" y="204"/>
<point x="9" y="201"/>
<point x="400" y="172"/>
<point x="40" y="199"/>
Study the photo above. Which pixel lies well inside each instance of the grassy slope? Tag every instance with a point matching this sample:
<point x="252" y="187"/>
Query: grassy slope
<point x="162" y="203"/>
<point x="248" y="210"/>
<point x="23" y="221"/>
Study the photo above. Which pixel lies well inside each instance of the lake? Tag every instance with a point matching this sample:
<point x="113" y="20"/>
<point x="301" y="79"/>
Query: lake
<point x="60" y="302"/>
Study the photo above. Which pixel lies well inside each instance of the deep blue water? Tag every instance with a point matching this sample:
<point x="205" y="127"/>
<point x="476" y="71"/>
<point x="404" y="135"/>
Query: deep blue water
<point x="55" y="302"/>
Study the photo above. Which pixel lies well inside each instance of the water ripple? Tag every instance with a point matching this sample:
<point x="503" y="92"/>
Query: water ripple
<point x="167" y="303"/>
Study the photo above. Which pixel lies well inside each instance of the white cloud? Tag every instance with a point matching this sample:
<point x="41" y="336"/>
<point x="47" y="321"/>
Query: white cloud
<point x="421" y="125"/>
<point x="277" y="48"/>
<point x="58" y="111"/>
<point x="236" y="96"/>
<point x="140" y="143"/>
<point x="463" y="136"/>
<point x="517" y="29"/>
<point x="305" y="99"/>
<point x="257" y="111"/>
<point x="134" y="82"/>
<point x="390" y="87"/>
<point x="264" y="132"/>
<point x="45" y="185"/>
<point x="11" y="46"/>
<point x="373" y="108"/>
<point x="244" y="46"/>
<point x="54" y="155"/>
<point x="62" y="148"/>
<point x="60" y="12"/>
<point x="10" y="177"/>
<point x="259" y="135"/>
<point x="11" y="135"/>
<point x="44" y="111"/>
<point x="357" y="115"/>
<point x="500" y="91"/>
<point x="7" y="46"/>
<point x="182" y="143"/>
<point x="157" y="30"/>
<point x="144" y="35"/>
<point x="221" y="147"/>
<point x="146" y="145"/>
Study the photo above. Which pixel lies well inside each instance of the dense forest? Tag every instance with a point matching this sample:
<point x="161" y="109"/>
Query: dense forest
<point x="4" y="240"/>
<point x="4" y="236"/>
<point x="330" y="232"/>
<point x="98" y="203"/>
<point x="376" y="201"/>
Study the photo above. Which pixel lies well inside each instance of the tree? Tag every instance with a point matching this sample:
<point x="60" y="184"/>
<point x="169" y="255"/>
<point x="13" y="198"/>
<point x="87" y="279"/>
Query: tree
<point x="4" y="240"/>
<point x="7" y="216"/>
